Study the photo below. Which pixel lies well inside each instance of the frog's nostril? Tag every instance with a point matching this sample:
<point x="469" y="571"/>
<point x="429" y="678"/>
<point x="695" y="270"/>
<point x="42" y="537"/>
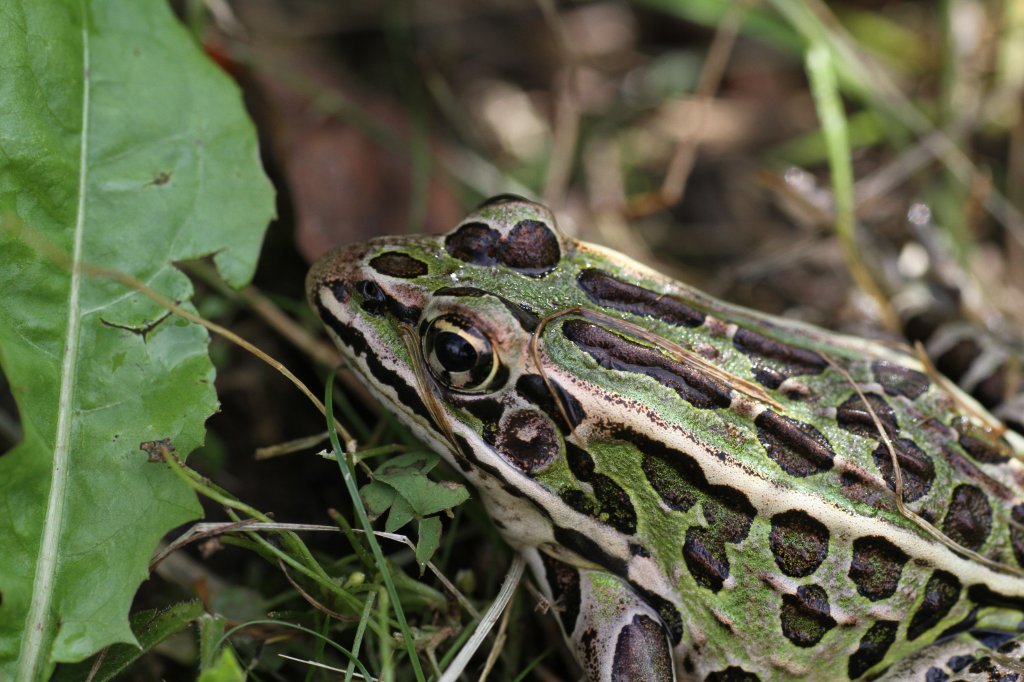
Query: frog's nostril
<point x="369" y="290"/>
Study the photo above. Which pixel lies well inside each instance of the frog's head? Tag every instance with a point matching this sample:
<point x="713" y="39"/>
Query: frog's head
<point x="440" y="329"/>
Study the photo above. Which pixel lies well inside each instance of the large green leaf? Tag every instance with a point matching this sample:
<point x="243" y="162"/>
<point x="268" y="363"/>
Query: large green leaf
<point x="123" y="146"/>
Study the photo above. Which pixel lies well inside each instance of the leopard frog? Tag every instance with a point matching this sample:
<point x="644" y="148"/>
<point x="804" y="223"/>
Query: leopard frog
<point x="702" y="492"/>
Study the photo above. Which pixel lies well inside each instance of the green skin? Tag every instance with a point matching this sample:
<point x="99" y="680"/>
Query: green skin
<point x="737" y="624"/>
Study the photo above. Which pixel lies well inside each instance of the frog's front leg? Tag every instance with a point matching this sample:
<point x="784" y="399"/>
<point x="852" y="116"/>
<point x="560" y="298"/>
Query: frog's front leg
<point x="616" y="634"/>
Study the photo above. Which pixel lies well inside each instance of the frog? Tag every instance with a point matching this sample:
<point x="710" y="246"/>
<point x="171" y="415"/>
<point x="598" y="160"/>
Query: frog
<point x="701" y="491"/>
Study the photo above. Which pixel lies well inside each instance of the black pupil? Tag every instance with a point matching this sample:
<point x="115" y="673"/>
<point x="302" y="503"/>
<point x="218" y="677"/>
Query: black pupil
<point x="455" y="353"/>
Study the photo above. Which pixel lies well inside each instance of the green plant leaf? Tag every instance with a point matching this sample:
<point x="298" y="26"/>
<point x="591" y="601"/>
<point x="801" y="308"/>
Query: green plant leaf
<point x="401" y="485"/>
<point x="150" y="627"/>
<point x="121" y="146"/>
<point x="428" y="540"/>
<point x="226" y="669"/>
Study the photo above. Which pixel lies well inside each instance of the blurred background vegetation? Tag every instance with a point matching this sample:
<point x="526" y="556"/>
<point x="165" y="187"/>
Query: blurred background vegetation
<point x="858" y="164"/>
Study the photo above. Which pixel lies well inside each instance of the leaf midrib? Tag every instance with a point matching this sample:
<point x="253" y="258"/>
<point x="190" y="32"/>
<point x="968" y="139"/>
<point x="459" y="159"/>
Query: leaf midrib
<point x="33" y="658"/>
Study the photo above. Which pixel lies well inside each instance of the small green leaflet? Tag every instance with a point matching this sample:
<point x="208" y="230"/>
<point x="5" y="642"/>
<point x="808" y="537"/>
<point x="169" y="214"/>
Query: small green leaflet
<point x="401" y="485"/>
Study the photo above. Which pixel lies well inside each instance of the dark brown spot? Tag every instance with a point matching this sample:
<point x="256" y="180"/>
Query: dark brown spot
<point x="642" y="652"/>
<point x="728" y="513"/>
<point x="613" y="505"/>
<point x="981" y="443"/>
<point x="984" y="665"/>
<point x="969" y="519"/>
<point x="581" y="464"/>
<point x="916" y="468"/>
<point x="876" y="567"/>
<point x="675" y="477"/>
<point x="873" y="646"/>
<point x="900" y="380"/>
<point x="531" y="247"/>
<point x="616" y="353"/>
<point x="798" y="542"/>
<point x="610" y="292"/>
<point x="774" y="361"/>
<point x="706" y="558"/>
<point x="475" y="243"/>
<point x="732" y="674"/>
<point x="581" y="502"/>
<point x="1017" y="532"/>
<point x="800" y="449"/>
<point x="398" y="264"/>
<point x="532" y="388"/>
<point x="564" y="581"/>
<point x="806" y="616"/>
<point x="527" y="439"/>
<point x="680" y="482"/>
<point x="853" y="416"/>
<point x="940" y="594"/>
<point x="487" y="410"/>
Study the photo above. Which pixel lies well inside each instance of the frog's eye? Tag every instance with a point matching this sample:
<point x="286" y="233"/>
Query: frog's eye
<point x="459" y="356"/>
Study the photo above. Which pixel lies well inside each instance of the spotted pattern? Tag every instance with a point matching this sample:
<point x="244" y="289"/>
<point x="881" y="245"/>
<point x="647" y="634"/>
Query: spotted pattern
<point x="876" y="567"/>
<point x="969" y="518"/>
<point x="774" y="361"/>
<point x="900" y="380"/>
<point x="680" y="482"/>
<point x="610" y="292"/>
<point x="873" y="646"/>
<point x="916" y="468"/>
<point x="613" y="505"/>
<point x="940" y="594"/>
<point x="798" y="542"/>
<point x="800" y="449"/>
<point x="398" y="264"/>
<point x="806" y="616"/>
<point x="981" y="444"/>
<point x="530" y="247"/>
<point x="528" y="440"/>
<point x="614" y="352"/>
<point x="641" y="651"/>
